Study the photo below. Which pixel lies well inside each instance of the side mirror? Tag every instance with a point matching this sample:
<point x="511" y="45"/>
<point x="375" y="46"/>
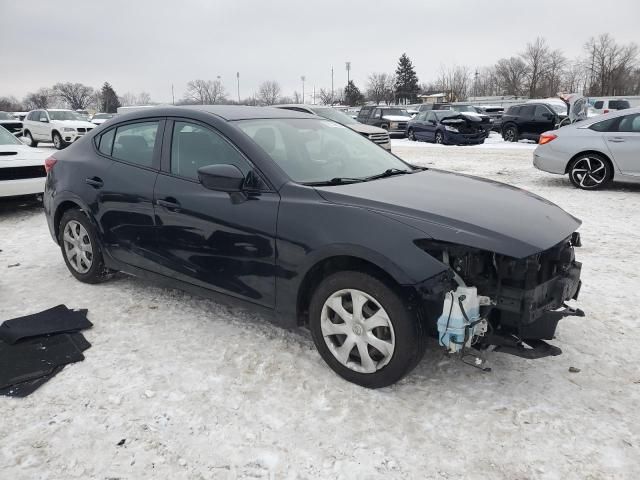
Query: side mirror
<point x="222" y="177"/>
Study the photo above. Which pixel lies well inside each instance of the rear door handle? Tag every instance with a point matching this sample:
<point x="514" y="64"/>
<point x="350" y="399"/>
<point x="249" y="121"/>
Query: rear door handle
<point x="616" y="140"/>
<point x="170" y="203"/>
<point x="95" y="182"/>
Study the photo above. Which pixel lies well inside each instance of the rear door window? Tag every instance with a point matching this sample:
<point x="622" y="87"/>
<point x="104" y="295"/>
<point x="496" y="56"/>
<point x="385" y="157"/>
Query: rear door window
<point x="542" y="113"/>
<point x="598" y="105"/>
<point x="135" y="143"/>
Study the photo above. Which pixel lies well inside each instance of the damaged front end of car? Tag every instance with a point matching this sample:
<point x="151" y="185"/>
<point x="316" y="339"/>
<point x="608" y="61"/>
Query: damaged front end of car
<point x="514" y="305"/>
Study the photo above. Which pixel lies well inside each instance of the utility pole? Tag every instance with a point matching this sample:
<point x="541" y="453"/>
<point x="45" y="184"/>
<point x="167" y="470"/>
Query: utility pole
<point x="314" y="94"/>
<point x="303" y="78"/>
<point x="331" y="85"/>
<point x="238" y="79"/>
<point x="475" y="86"/>
<point x="173" y="97"/>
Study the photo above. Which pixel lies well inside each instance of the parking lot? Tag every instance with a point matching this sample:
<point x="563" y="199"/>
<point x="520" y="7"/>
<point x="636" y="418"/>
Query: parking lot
<point x="200" y="390"/>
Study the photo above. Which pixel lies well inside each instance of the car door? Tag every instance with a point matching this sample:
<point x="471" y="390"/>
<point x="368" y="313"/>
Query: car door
<point x="624" y="144"/>
<point x="376" y="119"/>
<point x="41" y="126"/>
<point x="119" y="189"/>
<point x="218" y="240"/>
<point x="526" y="124"/>
<point x="429" y="127"/>
<point x="543" y="120"/>
<point x="419" y="125"/>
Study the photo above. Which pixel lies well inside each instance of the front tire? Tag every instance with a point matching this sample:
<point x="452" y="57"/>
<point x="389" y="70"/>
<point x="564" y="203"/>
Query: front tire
<point x="439" y="139"/>
<point x="590" y="171"/>
<point x="57" y="141"/>
<point x="80" y="248"/>
<point x="411" y="135"/>
<point x="364" y="330"/>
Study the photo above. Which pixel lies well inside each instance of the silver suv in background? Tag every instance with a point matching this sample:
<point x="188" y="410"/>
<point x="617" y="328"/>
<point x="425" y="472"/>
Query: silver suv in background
<point x="377" y="135"/>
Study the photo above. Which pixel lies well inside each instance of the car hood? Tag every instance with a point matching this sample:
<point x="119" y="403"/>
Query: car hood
<point x="73" y="123"/>
<point x="463" y="210"/>
<point x="396" y="118"/>
<point x="366" y="129"/>
<point x="21" y="155"/>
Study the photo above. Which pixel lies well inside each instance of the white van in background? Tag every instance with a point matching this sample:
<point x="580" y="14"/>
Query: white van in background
<point x="605" y="105"/>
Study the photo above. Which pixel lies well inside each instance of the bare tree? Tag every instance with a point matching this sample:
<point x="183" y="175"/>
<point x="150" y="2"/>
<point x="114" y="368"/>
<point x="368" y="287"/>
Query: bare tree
<point x="269" y="92"/>
<point x="325" y="96"/>
<point x="554" y="74"/>
<point x="511" y="74"/>
<point x="206" y="92"/>
<point x="574" y="78"/>
<point x="39" y="99"/>
<point x="144" y="98"/>
<point x="380" y="87"/>
<point x="611" y="65"/>
<point x="297" y="98"/>
<point x="454" y="81"/>
<point x="535" y="56"/>
<point x="129" y="99"/>
<point x="10" y="104"/>
<point x="76" y="95"/>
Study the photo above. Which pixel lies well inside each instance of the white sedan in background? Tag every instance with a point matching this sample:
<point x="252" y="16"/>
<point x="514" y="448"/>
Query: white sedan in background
<point x="22" y="168"/>
<point x="594" y="151"/>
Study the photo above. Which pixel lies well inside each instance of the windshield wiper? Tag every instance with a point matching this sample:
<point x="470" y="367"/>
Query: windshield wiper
<point x="336" y="181"/>
<point x="387" y="173"/>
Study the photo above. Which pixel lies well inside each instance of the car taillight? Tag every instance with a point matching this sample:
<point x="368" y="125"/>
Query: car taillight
<point x="49" y="163"/>
<point x="606" y="110"/>
<point x="546" y="138"/>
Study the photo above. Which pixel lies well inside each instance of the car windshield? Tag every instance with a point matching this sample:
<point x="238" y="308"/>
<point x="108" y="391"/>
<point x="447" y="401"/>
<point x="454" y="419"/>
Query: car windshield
<point x="558" y="108"/>
<point x="440" y="114"/>
<point x="6" y="116"/>
<point x="6" y="138"/>
<point x="312" y="150"/>
<point x="62" y="115"/>
<point x="335" y="115"/>
<point x="399" y="112"/>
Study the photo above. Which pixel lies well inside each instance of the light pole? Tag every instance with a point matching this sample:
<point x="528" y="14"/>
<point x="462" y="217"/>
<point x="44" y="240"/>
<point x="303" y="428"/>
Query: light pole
<point x="238" y="79"/>
<point x="348" y="65"/>
<point x="475" y="86"/>
<point x="331" y="85"/>
<point x="303" y="78"/>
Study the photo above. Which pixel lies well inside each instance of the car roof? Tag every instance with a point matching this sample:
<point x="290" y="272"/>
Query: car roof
<point x="227" y="112"/>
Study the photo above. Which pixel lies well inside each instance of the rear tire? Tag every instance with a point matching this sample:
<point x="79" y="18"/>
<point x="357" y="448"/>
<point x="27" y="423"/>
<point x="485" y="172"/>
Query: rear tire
<point x="375" y="347"/>
<point x="510" y="134"/>
<point x="590" y="171"/>
<point x="32" y="142"/>
<point x="80" y="248"/>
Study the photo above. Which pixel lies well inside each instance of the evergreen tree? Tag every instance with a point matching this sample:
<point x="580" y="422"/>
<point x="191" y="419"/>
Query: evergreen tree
<point x="352" y="95"/>
<point x="109" y="101"/>
<point x="407" y="88"/>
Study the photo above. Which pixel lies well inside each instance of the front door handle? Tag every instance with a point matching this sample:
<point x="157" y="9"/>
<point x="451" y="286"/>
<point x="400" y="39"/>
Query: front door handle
<point x="95" y="182"/>
<point x="169" y="203"/>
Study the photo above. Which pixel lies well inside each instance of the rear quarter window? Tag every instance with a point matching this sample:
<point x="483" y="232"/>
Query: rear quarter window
<point x="605" y="126"/>
<point x="513" y="110"/>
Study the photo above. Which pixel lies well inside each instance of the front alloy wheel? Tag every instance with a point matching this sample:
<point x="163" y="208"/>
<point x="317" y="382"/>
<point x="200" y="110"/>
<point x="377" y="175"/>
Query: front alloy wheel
<point x="589" y="172"/>
<point x="411" y="134"/>
<point x="364" y="329"/>
<point x="439" y="138"/>
<point x="57" y="141"/>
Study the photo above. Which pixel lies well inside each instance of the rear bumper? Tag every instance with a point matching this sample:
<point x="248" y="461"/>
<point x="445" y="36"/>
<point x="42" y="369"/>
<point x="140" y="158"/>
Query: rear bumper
<point x="24" y="186"/>
<point x="548" y="160"/>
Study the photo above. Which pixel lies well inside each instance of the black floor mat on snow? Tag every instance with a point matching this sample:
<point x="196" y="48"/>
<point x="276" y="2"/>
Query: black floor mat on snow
<point x="36" y="351"/>
<point x="54" y="320"/>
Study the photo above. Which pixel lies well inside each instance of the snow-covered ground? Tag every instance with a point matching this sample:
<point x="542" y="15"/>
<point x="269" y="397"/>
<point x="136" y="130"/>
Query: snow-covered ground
<point x="201" y="391"/>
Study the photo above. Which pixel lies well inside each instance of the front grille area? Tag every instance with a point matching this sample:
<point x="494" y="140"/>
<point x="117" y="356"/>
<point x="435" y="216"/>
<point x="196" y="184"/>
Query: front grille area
<point x="13" y="127"/>
<point x="402" y="125"/>
<point x="21" y="173"/>
<point x="379" y="138"/>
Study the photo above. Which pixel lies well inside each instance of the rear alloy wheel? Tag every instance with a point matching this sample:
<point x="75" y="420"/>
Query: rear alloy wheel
<point x="364" y="330"/>
<point x="439" y="138"/>
<point x="511" y="134"/>
<point x="80" y="249"/>
<point x="57" y="141"/>
<point x="590" y="172"/>
<point x="411" y="135"/>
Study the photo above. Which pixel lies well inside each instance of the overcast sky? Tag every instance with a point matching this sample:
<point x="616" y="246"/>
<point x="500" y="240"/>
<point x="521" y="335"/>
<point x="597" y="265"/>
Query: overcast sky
<point x="145" y="45"/>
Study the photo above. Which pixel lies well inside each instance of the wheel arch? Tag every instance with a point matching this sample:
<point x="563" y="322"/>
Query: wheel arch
<point x="333" y="264"/>
<point x="592" y="152"/>
<point x="54" y="131"/>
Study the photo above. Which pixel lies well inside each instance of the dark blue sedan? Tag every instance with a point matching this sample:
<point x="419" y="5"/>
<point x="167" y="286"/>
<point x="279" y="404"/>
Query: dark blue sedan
<point x="447" y="127"/>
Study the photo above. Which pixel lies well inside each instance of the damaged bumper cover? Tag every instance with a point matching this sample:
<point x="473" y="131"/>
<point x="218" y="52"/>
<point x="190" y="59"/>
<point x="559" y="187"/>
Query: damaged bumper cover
<point x="527" y="296"/>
